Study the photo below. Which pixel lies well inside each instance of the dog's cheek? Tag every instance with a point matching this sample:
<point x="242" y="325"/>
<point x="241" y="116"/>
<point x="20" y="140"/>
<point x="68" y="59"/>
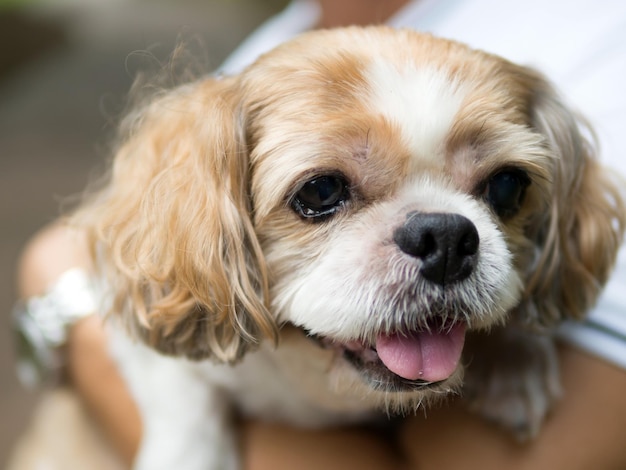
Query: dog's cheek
<point x="318" y="270"/>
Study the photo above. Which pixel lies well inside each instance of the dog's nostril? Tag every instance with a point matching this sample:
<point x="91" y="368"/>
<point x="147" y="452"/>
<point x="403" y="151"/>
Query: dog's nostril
<point x="468" y="245"/>
<point x="427" y="245"/>
<point x="447" y="245"/>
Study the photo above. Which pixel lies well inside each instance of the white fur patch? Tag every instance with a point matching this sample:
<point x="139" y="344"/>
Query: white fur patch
<point x="363" y="282"/>
<point x="421" y="102"/>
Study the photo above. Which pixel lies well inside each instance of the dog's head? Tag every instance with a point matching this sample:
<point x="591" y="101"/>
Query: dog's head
<point x="385" y="191"/>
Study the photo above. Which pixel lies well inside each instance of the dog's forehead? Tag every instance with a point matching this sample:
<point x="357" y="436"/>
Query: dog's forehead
<point x="331" y="100"/>
<point x="420" y="102"/>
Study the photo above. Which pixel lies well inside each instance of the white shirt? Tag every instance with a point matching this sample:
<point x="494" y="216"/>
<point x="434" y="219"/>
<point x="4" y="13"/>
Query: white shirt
<point x="579" y="44"/>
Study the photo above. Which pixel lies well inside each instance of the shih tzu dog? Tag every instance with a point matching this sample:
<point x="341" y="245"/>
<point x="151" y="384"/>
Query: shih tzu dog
<point x="362" y="221"/>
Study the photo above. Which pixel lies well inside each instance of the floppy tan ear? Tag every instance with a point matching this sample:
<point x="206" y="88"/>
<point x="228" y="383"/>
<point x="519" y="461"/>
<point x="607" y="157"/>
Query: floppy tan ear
<point x="579" y="237"/>
<point x="174" y="230"/>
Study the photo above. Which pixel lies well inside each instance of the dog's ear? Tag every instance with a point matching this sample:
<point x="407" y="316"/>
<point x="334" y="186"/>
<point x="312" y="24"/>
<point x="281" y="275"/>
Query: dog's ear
<point x="174" y="228"/>
<point x="577" y="240"/>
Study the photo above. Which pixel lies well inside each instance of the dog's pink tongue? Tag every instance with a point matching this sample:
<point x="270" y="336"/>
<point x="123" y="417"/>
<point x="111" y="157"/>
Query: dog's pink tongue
<point x="429" y="356"/>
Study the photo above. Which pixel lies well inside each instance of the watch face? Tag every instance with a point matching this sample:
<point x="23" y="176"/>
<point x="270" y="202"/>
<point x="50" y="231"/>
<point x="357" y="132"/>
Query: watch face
<point x="36" y="363"/>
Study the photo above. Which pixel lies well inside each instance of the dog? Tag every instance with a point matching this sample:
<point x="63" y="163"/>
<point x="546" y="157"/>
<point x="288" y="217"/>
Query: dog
<point x="362" y="222"/>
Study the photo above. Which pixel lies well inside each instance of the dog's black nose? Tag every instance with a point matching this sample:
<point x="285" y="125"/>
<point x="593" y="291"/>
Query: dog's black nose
<point x="447" y="244"/>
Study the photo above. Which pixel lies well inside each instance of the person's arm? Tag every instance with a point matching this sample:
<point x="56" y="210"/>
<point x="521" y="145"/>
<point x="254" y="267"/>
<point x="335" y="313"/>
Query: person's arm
<point x="95" y="377"/>
<point x="89" y="367"/>
<point x="267" y="446"/>
<point x="586" y="429"/>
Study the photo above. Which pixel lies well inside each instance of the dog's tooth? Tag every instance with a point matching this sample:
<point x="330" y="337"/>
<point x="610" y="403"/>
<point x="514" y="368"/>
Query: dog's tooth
<point x="369" y="355"/>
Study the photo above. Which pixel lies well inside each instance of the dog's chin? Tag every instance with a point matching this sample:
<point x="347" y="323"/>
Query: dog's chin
<point x="408" y="361"/>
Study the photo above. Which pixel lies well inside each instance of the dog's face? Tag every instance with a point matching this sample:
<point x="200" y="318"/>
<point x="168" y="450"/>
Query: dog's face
<point x="390" y="192"/>
<point x="385" y="192"/>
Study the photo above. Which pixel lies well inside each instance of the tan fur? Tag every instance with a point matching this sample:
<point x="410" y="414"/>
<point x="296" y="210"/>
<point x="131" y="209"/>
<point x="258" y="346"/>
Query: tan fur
<point x="195" y="228"/>
<point x="584" y="224"/>
<point x="174" y="223"/>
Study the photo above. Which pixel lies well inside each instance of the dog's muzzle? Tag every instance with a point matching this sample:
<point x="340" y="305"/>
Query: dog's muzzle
<point x="405" y="360"/>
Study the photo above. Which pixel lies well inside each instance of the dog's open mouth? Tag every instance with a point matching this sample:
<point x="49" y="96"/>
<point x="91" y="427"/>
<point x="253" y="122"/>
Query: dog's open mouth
<point x="405" y="360"/>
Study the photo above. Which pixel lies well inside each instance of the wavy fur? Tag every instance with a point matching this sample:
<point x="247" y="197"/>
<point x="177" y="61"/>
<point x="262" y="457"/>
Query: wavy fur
<point x="174" y="228"/>
<point x="206" y="255"/>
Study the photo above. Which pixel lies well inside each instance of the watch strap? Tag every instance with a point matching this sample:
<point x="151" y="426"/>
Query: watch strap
<point x="41" y="325"/>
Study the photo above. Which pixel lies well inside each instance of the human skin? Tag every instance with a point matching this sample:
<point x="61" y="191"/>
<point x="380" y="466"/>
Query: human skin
<point x="90" y="369"/>
<point x="357" y="12"/>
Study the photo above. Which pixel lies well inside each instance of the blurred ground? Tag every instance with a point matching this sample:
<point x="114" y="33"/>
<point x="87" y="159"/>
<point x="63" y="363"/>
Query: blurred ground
<point x="64" y="72"/>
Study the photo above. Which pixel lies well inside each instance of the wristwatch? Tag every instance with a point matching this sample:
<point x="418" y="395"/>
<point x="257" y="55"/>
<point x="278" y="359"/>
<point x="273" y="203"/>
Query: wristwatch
<point x="41" y="325"/>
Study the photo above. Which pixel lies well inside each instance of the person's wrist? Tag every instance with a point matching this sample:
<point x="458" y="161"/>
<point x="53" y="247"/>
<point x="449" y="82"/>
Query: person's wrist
<point x="85" y="349"/>
<point x="42" y="325"/>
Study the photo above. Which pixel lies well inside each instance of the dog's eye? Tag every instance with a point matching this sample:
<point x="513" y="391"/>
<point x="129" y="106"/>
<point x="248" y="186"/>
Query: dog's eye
<point x="505" y="191"/>
<point x="321" y="197"/>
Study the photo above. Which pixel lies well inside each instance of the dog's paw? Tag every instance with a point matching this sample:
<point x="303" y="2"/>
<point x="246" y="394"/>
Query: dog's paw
<point x="513" y="380"/>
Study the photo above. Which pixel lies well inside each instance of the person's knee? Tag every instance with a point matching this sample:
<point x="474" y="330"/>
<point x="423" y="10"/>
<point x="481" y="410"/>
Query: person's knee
<point x="52" y="251"/>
